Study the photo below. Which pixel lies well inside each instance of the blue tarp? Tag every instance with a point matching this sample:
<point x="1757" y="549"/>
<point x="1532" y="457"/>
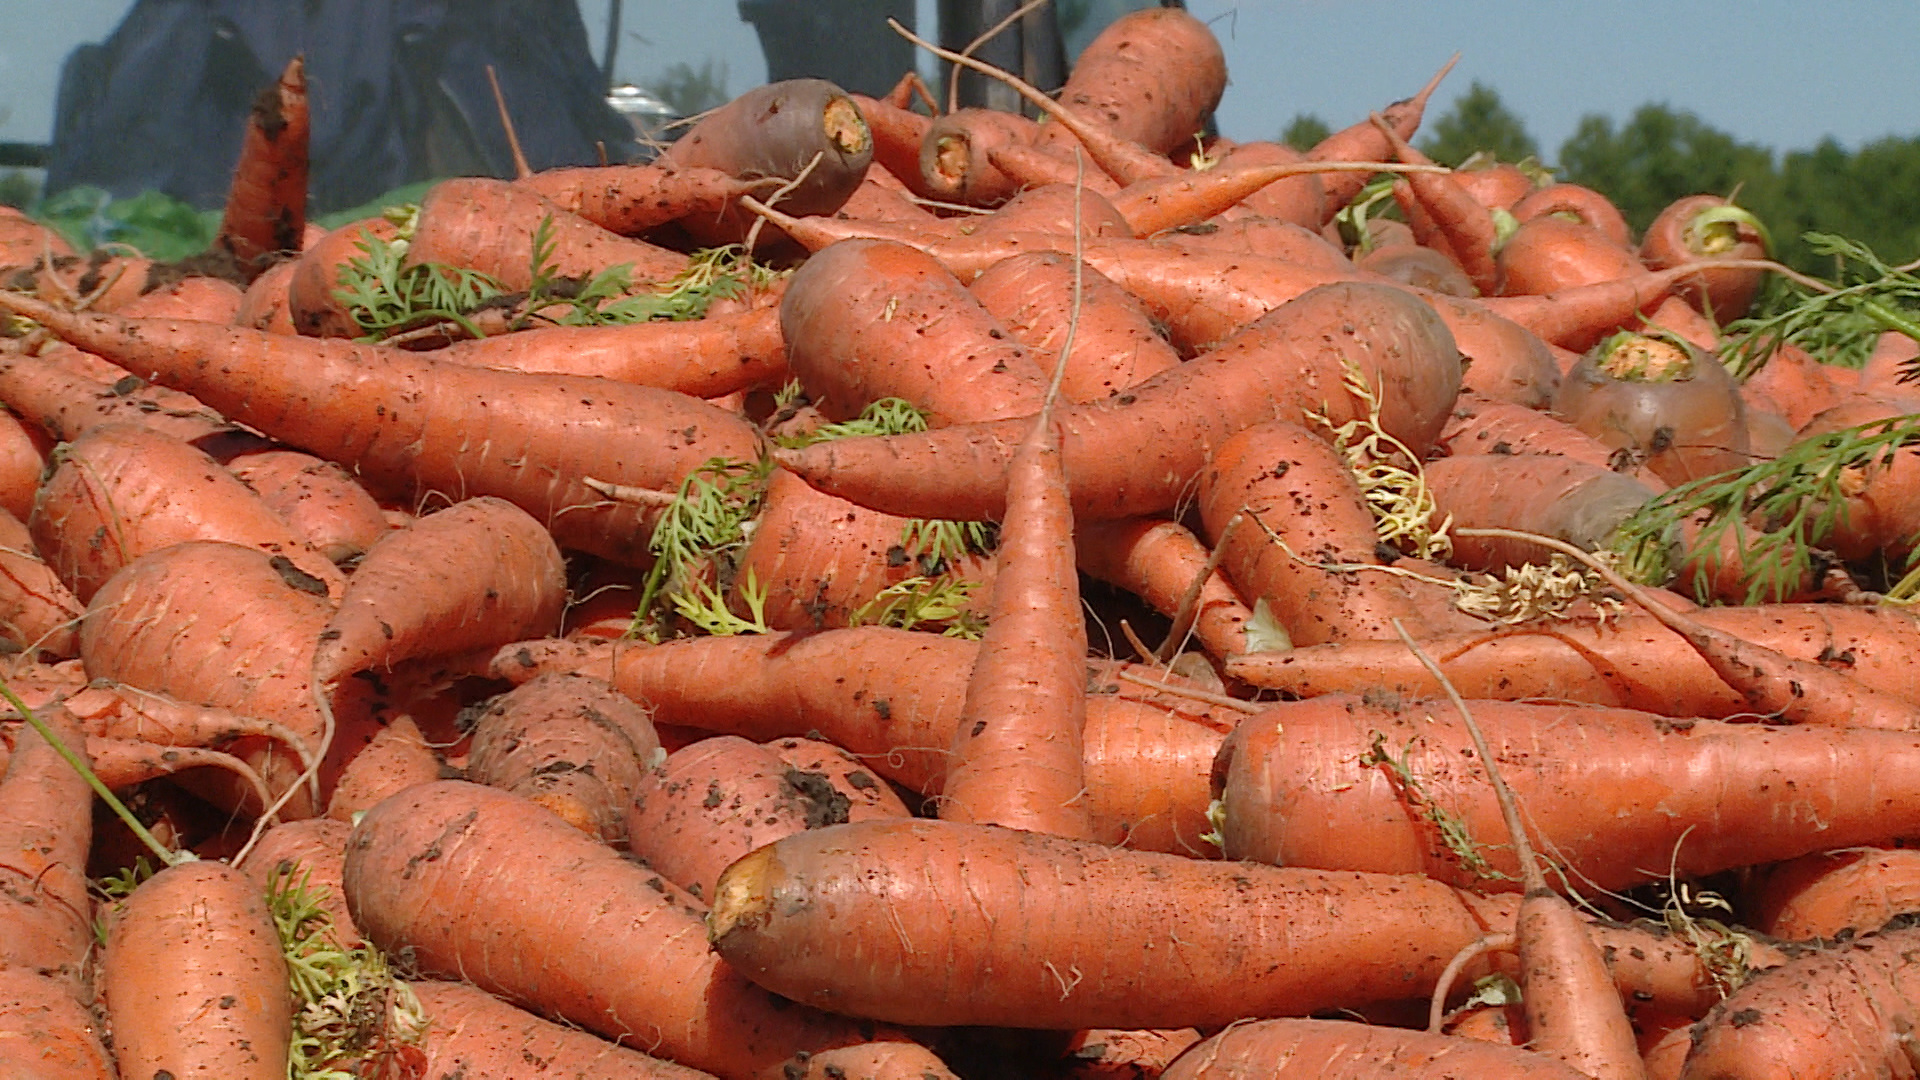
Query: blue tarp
<point x="397" y="90"/>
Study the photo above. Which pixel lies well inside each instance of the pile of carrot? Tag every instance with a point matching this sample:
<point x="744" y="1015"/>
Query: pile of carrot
<point x="1057" y="597"/>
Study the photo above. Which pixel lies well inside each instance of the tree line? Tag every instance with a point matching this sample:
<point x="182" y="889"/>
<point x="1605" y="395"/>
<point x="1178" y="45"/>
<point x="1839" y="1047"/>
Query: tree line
<point x="1660" y="153"/>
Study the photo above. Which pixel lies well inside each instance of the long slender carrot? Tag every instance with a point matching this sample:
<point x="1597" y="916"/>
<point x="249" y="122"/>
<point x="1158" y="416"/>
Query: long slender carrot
<point x="410" y="423"/>
<point x="1467" y="226"/>
<point x="46" y="829"/>
<point x="1331" y="1047"/>
<point x="1017" y="758"/>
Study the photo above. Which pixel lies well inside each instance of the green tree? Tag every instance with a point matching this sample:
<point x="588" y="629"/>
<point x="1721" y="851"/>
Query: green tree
<point x="1869" y="195"/>
<point x="689" y="92"/>
<point x="1478" y="122"/>
<point x="1662" y="154"/>
<point x="1305" y="131"/>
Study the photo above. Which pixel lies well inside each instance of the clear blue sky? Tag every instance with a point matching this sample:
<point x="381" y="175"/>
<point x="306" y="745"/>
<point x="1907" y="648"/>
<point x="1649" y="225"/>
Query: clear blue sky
<point x="1781" y="73"/>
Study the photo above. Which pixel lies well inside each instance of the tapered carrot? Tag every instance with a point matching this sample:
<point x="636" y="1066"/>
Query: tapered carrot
<point x="407" y="422"/>
<point x="267" y="205"/>
<point x="1017" y="758"/>
<point x="490" y="226"/>
<point x="448" y="910"/>
<point x="194" y="980"/>
<point x="703" y="358"/>
<point x="1483" y="425"/>
<point x="1029" y="166"/>
<point x="1125" y="456"/>
<point x="1364" y="142"/>
<point x="1468" y="227"/>
<point x="1250" y="940"/>
<point x="1579" y="316"/>
<point x="632" y="199"/>
<point x="122" y="491"/>
<point x="1632" y="661"/>
<point x="1061" y="209"/>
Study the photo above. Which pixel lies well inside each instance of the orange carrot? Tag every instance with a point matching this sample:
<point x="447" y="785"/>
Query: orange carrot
<point x="450" y="912"/>
<point x="1129" y="455"/>
<point x="63" y="397"/>
<point x="1843" y="1012"/>
<point x="1467" y="227"/>
<point x="206" y="298"/>
<point x="860" y="321"/>
<point x="897" y="133"/>
<point x="1114" y="343"/>
<point x="1548" y="253"/>
<point x="1837" y="893"/>
<point x="724" y="352"/>
<point x="779" y="130"/>
<point x="48" y="1032"/>
<point x="1339" y="783"/>
<point x="954" y="162"/>
<point x="121" y="491"/>
<point x="1253" y="941"/>
<point x="267" y="205"/>
<point x="1631" y="662"/>
<point x="471" y="1033"/>
<point x="37" y="611"/>
<point x="24" y="449"/>
<point x="312" y="853"/>
<point x="490" y="226"/>
<point x="310" y="301"/>
<point x="1299" y="200"/>
<point x="194" y="980"/>
<point x="1151" y="77"/>
<point x="1659" y="401"/>
<point x="1159" y="561"/>
<point x="394" y="758"/>
<point x="568" y="743"/>
<point x="1269" y="238"/>
<point x="324" y="506"/>
<point x="632" y="199"/>
<point x="1582" y="204"/>
<point x="1017" y="758"/>
<point x="407" y="422"/>
<point x="1306" y="537"/>
<point x="712" y="802"/>
<point x="1364" y="142"/>
<point x="1333" y="1047"/>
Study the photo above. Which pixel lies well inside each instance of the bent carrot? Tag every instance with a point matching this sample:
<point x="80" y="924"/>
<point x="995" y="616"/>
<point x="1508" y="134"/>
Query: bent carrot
<point x="1364" y="142"/>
